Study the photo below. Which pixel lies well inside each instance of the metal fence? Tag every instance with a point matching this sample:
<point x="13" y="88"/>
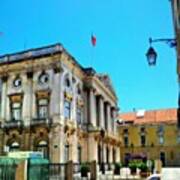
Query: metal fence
<point x="8" y="172"/>
<point x="46" y="171"/>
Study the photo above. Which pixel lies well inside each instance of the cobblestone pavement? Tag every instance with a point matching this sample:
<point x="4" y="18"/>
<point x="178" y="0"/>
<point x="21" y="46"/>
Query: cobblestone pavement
<point x="171" y="174"/>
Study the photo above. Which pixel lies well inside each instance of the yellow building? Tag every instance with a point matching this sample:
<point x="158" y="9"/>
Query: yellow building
<point x="50" y="103"/>
<point x="150" y="135"/>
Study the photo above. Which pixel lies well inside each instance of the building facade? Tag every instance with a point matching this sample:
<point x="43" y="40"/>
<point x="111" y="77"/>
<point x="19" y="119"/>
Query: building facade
<point x="50" y="103"/>
<point x="150" y="135"/>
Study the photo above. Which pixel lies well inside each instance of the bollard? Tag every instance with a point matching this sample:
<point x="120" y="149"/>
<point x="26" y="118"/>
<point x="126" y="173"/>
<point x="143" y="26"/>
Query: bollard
<point x="69" y="171"/>
<point x="93" y="170"/>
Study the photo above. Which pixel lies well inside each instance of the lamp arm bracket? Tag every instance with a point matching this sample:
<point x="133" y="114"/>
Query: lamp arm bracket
<point x="171" y="41"/>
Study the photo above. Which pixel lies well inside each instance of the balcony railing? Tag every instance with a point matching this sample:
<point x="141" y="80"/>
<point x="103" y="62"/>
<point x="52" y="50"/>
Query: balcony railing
<point x="13" y="124"/>
<point x="41" y="121"/>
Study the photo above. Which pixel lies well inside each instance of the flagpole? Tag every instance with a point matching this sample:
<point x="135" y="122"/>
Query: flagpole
<point x="93" y="43"/>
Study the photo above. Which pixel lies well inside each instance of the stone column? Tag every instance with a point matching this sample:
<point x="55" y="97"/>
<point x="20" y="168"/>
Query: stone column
<point x="56" y="144"/>
<point x="92" y="149"/>
<point x="74" y="103"/>
<point x="92" y="107"/>
<point x="117" y="150"/>
<point x="74" y="148"/>
<point x="104" y="153"/>
<point x="109" y="120"/>
<point x="110" y="154"/>
<point x="101" y="112"/>
<point x="61" y="91"/>
<point x="4" y="97"/>
<point x="114" y="124"/>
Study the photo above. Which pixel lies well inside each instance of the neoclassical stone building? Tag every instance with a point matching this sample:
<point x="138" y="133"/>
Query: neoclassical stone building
<point x="50" y="103"/>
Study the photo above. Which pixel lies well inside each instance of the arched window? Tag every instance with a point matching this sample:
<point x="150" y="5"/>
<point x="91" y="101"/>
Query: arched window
<point x="67" y="82"/>
<point x="14" y="146"/>
<point x="79" y="90"/>
<point x="42" y="146"/>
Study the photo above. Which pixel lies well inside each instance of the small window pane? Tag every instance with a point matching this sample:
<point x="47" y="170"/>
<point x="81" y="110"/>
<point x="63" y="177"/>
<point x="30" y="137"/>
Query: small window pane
<point x="43" y="112"/>
<point x="67" y="109"/>
<point x="126" y="141"/>
<point x="16" y="111"/>
<point x="66" y="153"/>
<point x="16" y="105"/>
<point x="43" y="102"/>
<point x="79" y="115"/>
<point x="161" y="140"/>
<point x="143" y="140"/>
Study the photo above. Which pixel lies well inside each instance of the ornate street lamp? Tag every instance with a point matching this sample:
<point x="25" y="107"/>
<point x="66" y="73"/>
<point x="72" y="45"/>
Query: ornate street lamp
<point x="151" y="58"/>
<point x="151" y="53"/>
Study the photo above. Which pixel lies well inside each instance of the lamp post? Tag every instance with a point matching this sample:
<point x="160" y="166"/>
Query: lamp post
<point x="151" y="55"/>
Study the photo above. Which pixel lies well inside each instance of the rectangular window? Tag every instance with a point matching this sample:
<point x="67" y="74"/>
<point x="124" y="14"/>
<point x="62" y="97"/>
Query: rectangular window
<point x="67" y="109"/>
<point x="16" y="111"/>
<point x="79" y="115"/>
<point x="143" y="140"/>
<point x="161" y="139"/>
<point x="126" y="141"/>
<point x="43" y="108"/>
<point x="79" y="154"/>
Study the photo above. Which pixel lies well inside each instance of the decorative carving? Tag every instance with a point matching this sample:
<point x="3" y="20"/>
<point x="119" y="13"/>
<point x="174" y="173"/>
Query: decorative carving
<point x="43" y="94"/>
<point x="17" y="97"/>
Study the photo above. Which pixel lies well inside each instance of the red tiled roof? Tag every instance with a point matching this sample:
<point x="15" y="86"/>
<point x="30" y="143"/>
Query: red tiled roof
<point x="151" y="117"/>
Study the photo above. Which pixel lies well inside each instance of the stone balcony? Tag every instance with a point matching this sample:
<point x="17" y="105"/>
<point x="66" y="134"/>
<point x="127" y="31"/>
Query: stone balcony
<point x="41" y="122"/>
<point x="12" y="124"/>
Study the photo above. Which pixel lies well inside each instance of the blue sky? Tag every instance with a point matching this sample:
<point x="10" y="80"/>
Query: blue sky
<point x="122" y="29"/>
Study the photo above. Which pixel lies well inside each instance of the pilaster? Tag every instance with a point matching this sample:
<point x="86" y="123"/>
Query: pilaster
<point x="92" y="149"/>
<point x="4" y="97"/>
<point x="27" y="100"/>
<point x="55" y="96"/>
<point x="92" y="107"/>
<point x="101" y="113"/>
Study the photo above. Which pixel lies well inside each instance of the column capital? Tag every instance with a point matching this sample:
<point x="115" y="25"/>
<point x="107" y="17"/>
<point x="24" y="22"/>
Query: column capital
<point x="100" y="96"/>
